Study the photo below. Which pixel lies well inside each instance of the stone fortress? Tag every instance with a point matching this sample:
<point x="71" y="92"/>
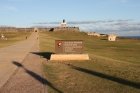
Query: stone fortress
<point x="111" y="37"/>
<point x="63" y="27"/>
<point x="93" y="34"/>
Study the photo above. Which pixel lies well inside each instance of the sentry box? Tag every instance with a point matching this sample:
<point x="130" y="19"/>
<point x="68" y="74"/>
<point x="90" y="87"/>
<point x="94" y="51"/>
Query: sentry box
<point x="69" y="46"/>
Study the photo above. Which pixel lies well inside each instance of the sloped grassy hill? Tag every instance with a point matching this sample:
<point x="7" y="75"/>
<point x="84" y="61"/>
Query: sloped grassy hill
<point x="114" y="67"/>
<point x="13" y="37"/>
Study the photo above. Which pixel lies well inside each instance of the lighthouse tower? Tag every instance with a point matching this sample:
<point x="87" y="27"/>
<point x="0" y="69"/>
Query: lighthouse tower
<point x="63" y="24"/>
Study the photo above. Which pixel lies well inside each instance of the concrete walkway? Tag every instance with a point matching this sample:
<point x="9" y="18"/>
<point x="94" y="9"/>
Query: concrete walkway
<point x="20" y="68"/>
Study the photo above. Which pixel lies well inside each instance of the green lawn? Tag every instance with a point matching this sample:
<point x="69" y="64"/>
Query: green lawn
<point x="13" y="37"/>
<point x="114" y="67"/>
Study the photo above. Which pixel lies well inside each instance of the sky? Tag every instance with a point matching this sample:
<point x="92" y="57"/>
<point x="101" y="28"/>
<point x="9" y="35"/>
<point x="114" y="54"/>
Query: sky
<point x="121" y="17"/>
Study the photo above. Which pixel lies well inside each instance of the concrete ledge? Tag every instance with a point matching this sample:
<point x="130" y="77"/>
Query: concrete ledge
<point x="69" y="57"/>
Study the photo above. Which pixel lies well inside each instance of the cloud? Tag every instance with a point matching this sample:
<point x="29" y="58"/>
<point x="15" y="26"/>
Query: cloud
<point x="5" y="26"/>
<point x="119" y="27"/>
<point x="116" y="28"/>
<point x="41" y="23"/>
<point x="120" y="20"/>
<point x="104" y="26"/>
<point x="138" y="23"/>
<point x="79" y="22"/>
<point x="54" y="23"/>
<point x="48" y="23"/>
<point x="90" y="22"/>
<point x="40" y="26"/>
<point x="82" y="22"/>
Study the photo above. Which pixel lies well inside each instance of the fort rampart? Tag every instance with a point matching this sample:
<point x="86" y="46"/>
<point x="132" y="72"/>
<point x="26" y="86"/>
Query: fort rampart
<point x="76" y="29"/>
<point x="13" y="29"/>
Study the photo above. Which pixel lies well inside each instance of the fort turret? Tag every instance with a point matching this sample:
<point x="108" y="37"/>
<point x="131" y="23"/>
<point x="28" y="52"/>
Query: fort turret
<point x="63" y="24"/>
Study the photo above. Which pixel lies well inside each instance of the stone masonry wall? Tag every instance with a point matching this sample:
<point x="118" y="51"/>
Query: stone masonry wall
<point x="44" y="29"/>
<point x="66" y="29"/>
<point x="13" y="29"/>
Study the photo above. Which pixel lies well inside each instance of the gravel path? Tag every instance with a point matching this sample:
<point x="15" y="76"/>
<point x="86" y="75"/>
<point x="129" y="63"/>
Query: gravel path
<point x="28" y="75"/>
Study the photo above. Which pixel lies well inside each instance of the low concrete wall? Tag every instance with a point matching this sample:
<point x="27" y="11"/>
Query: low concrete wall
<point x="69" y="57"/>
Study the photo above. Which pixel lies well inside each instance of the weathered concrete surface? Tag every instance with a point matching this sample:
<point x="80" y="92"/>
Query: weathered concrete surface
<point x="69" y="57"/>
<point x="21" y="78"/>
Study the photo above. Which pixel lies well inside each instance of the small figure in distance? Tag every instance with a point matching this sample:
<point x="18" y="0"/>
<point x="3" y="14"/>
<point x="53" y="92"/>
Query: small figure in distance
<point x="26" y="37"/>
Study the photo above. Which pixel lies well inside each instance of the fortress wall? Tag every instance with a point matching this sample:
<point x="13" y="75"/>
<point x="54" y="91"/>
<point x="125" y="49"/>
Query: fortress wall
<point x="66" y="29"/>
<point x="8" y="29"/>
<point x="29" y="29"/>
<point x="12" y="29"/>
<point x="25" y="29"/>
<point x="44" y="29"/>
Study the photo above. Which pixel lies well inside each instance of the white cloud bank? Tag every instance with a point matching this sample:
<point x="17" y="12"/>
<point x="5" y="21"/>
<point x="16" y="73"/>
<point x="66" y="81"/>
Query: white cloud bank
<point x="120" y="27"/>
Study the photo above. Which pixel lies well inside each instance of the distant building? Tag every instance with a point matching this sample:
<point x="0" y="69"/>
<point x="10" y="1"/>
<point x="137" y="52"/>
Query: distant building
<point x="112" y="37"/>
<point x="36" y="29"/>
<point x="93" y="34"/>
<point x="90" y="33"/>
<point x="2" y="36"/>
<point x="63" y="27"/>
<point x="63" y="24"/>
<point x="96" y="34"/>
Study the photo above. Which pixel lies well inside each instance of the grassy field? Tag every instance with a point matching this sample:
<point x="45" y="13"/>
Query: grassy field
<point x="114" y="67"/>
<point x="12" y="38"/>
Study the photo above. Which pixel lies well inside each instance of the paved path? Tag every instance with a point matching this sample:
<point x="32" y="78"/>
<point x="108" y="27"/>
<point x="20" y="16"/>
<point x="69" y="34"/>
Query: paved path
<point x="20" y="68"/>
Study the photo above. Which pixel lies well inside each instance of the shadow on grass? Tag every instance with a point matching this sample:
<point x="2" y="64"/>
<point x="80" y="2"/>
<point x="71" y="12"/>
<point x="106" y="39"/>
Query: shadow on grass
<point x="37" y="77"/>
<point x="101" y="75"/>
<point x="104" y="39"/>
<point x="46" y="55"/>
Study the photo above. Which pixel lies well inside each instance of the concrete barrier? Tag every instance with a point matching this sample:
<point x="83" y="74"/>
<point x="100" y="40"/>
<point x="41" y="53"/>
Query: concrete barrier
<point x="69" y="57"/>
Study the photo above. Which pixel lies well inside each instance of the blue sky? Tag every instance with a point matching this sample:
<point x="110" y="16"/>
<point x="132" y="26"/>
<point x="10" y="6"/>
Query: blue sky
<point x="104" y="16"/>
